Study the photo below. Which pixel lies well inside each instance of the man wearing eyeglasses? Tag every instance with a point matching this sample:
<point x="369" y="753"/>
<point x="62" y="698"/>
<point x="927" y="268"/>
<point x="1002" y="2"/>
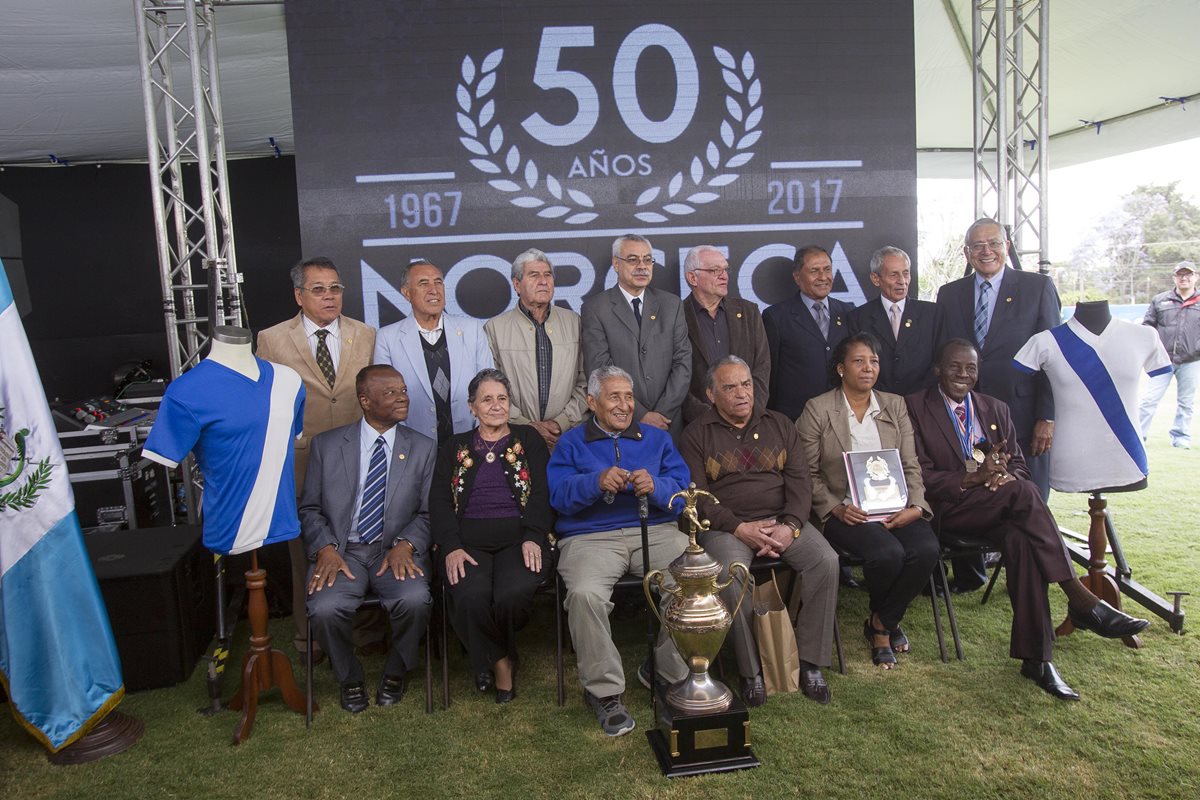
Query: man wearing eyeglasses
<point x="998" y="310"/>
<point x="642" y="331"/>
<point x="720" y="326"/>
<point x="328" y="350"/>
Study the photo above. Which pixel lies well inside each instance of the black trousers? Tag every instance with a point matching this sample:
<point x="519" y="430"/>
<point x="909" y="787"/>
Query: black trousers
<point x="896" y="563"/>
<point x="493" y="601"/>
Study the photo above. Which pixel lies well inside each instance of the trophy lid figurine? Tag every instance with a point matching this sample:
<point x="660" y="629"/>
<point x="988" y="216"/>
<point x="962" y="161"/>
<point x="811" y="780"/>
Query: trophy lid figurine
<point x="708" y="727"/>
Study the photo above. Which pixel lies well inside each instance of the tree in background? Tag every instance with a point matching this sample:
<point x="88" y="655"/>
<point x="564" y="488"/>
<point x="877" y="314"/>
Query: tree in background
<point x="946" y="263"/>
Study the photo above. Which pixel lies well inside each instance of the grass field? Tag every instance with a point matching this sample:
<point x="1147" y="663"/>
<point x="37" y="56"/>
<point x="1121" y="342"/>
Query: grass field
<point x="963" y="730"/>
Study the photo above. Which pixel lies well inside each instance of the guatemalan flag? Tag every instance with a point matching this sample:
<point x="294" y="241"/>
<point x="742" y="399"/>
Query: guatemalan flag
<point x="58" y="661"/>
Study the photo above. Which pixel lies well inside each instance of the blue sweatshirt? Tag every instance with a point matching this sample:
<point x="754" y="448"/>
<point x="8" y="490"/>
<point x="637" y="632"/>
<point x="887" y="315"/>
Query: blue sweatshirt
<point x="585" y="451"/>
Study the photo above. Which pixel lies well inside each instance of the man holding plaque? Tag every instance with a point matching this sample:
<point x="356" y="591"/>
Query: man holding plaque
<point x="752" y="460"/>
<point x="605" y="475"/>
<point x="976" y="479"/>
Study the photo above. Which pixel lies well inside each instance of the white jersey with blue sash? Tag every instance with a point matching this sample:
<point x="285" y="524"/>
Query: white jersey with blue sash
<point x="1095" y="384"/>
<point x="243" y="434"/>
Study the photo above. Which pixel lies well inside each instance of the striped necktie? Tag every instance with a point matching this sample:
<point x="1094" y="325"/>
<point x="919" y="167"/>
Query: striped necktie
<point x="822" y="318"/>
<point x="370" y="515"/>
<point x="981" y="313"/>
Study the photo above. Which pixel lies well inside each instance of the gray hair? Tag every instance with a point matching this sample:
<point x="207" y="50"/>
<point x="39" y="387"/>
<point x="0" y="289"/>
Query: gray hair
<point x="297" y="272"/>
<point x="416" y="262"/>
<point x="529" y="256"/>
<point x="979" y="223"/>
<point x="601" y="374"/>
<point x="628" y="237"/>
<point x="487" y="374"/>
<point x="710" y="377"/>
<point x="883" y="252"/>
<point x="692" y="261"/>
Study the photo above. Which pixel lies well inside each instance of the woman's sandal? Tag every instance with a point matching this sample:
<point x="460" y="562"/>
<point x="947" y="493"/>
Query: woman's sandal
<point x="880" y="656"/>
<point x="899" y="641"/>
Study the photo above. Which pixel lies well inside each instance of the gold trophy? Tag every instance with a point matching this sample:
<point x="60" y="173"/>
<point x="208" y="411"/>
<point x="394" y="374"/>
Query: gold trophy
<point x="702" y="726"/>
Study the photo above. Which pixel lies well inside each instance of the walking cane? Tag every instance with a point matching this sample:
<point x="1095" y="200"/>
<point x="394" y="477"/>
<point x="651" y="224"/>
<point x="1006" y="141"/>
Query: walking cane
<point x="651" y="622"/>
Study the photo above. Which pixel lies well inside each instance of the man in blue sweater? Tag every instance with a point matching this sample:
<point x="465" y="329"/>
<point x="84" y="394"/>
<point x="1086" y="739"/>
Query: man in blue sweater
<point x="599" y="474"/>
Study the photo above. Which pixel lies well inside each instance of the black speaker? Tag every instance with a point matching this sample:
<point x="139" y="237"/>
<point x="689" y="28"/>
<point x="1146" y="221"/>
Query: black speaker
<point x="158" y="584"/>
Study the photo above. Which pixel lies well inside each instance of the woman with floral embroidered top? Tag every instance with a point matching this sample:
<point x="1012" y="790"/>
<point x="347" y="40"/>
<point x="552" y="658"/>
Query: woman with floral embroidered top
<point x="490" y="514"/>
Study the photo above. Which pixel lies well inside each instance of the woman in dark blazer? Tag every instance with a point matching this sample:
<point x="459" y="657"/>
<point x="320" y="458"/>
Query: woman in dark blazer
<point x="898" y="552"/>
<point x="490" y="514"/>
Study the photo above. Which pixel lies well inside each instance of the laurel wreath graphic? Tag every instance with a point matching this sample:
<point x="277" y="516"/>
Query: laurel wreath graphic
<point x="474" y="119"/>
<point x="27" y="495"/>
<point x="737" y="150"/>
<point x="533" y="189"/>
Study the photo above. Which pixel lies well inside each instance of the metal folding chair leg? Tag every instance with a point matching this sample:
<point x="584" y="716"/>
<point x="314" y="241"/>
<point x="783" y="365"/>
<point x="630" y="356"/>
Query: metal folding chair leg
<point x="947" y="597"/>
<point x="937" y="619"/>
<point x="837" y="643"/>
<point x="308" y="672"/>
<point x="992" y="582"/>
<point x="558" y="643"/>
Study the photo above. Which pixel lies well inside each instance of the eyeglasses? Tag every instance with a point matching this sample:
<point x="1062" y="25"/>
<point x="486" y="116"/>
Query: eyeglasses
<point x="991" y="244"/>
<point x="633" y="261"/>
<point x="319" y="290"/>
<point x="716" y="272"/>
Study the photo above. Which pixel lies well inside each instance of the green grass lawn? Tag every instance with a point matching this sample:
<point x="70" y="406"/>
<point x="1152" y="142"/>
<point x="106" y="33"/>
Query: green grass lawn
<point x="963" y="730"/>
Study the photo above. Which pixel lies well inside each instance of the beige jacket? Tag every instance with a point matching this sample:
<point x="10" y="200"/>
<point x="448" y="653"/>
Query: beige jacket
<point x="511" y="337"/>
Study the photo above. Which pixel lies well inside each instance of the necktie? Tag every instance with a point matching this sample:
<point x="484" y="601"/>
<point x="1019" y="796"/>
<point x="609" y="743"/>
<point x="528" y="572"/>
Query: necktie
<point x="981" y="312"/>
<point x="370" y="515"/>
<point x="895" y="316"/>
<point x="324" y="359"/>
<point x="961" y="412"/>
<point x="822" y="318"/>
<point x="637" y="310"/>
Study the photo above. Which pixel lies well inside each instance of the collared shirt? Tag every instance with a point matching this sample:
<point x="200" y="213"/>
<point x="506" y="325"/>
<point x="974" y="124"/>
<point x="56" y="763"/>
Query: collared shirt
<point x="435" y="334"/>
<point x="629" y="298"/>
<point x="887" y="306"/>
<point x="544" y="352"/>
<point x="809" y="302"/>
<point x="714" y="329"/>
<point x="995" y="281"/>
<point x="366" y="446"/>
<point x="333" y="341"/>
<point x="864" y="435"/>
<point x="977" y="433"/>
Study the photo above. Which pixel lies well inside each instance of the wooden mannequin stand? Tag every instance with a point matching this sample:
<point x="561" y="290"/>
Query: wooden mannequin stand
<point x="263" y="667"/>
<point x="1099" y="582"/>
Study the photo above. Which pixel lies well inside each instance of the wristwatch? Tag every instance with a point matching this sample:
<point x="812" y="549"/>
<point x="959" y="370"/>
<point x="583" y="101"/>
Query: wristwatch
<point x="795" y="530"/>
<point x="400" y="539"/>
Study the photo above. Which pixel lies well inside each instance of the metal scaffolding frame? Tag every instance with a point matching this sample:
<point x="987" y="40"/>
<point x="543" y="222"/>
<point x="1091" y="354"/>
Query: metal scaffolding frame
<point x="1011" y="76"/>
<point x="184" y="124"/>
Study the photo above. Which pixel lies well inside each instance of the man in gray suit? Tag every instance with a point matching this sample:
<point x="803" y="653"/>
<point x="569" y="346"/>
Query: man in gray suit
<point x="364" y="518"/>
<point x="644" y="332"/>
<point x="537" y="346"/>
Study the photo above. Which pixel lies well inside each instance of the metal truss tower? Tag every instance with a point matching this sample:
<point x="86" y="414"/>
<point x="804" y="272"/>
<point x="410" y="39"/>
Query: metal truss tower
<point x="184" y="125"/>
<point x="1010" y="53"/>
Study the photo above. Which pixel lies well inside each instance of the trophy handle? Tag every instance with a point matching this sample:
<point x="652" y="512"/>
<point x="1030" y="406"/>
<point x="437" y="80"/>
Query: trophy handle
<point x="654" y="577"/>
<point x="745" y="584"/>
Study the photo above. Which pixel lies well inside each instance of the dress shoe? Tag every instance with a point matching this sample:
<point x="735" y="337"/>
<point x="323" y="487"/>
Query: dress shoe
<point x="1046" y="676"/>
<point x="1107" y="621"/>
<point x="754" y="691"/>
<point x="846" y="578"/>
<point x="485" y="680"/>
<point x="354" y="697"/>
<point x="508" y="695"/>
<point x="391" y="690"/>
<point x="812" y="683"/>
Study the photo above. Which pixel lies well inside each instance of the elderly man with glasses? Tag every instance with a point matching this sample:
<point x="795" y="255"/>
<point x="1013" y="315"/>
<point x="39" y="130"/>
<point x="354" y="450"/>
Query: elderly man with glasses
<point x="642" y="331"/>
<point x="328" y="350"/>
<point x="720" y="326"/>
<point x="998" y="309"/>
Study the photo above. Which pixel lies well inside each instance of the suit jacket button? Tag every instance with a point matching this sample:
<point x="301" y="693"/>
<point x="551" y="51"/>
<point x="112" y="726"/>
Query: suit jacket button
<point x="333" y="399"/>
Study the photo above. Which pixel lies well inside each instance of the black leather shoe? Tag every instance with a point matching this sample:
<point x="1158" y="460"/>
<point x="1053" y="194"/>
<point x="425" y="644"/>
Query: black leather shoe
<point x="812" y="683"/>
<point x="485" y="680"/>
<point x="354" y="697"/>
<point x="391" y="690"/>
<point x="754" y="691"/>
<point x="1107" y="621"/>
<point x="508" y="695"/>
<point x="1046" y="676"/>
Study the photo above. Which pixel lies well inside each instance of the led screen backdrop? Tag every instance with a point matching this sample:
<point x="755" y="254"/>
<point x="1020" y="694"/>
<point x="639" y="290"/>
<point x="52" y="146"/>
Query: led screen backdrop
<point x="465" y="132"/>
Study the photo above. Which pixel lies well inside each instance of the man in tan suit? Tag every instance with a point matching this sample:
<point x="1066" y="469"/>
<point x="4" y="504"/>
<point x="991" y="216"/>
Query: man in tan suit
<point x="537" y="346"/>
<point x="328" y="350"/>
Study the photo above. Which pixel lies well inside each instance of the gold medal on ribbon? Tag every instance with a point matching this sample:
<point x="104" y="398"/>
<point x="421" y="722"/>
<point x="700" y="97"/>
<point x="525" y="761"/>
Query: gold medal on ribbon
<point x="977" y="454"/>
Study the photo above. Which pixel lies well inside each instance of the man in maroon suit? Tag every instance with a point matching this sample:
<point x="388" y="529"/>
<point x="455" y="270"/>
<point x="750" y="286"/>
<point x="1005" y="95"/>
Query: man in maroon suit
<point x="976" y="479"/>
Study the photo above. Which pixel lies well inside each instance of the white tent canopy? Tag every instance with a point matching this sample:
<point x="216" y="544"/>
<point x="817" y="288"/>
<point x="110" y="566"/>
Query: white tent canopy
<point x="69" y="82"/>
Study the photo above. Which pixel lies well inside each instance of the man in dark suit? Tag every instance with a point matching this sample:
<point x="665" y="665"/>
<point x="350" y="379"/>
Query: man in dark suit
<point x="364" y="517"/>
<point x="907" y="328"/>
<point x="998" y="310"/>
<point x="991" y="495"/>
<point x="720" y="326"/>
<point x="642" y="331"/>
<point x="802" y="332"/>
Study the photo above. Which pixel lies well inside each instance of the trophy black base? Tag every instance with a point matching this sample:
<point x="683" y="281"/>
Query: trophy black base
<point x="698" y="744"/>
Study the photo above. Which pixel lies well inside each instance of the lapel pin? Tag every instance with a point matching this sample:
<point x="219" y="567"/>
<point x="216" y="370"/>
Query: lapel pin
<point x="908" y="323"/>
<point x="739" y="315"/>
<point x="549" y="330"/>
<point x="839" y="321"/>
<point x="458" y="333"/>
<point x="401" y="456"/>
<point x="992" y="426"/>
<point x="1008" y="299"/>
<point x="653" y="317"/>
<point x="756" y="436"/>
